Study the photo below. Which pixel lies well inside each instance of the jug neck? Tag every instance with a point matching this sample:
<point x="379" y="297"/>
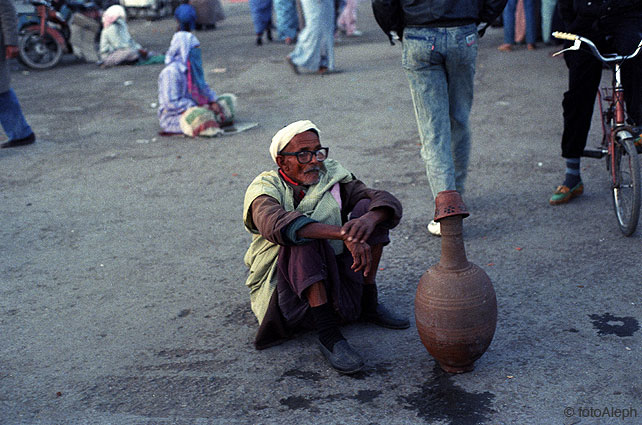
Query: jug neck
<point x="453" y="252"/>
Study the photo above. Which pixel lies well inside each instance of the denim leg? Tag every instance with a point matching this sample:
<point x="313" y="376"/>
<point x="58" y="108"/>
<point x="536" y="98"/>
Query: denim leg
<point x="548" y="8"/>
<point x="531" y="21"/>
<point x="11" y="118"/>
<point x="440" y="66"/>
<point x="508" y="17"/>
<point x="460" y="68"/>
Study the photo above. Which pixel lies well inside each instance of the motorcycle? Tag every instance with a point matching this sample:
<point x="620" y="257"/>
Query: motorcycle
<point x="46" y="34"/>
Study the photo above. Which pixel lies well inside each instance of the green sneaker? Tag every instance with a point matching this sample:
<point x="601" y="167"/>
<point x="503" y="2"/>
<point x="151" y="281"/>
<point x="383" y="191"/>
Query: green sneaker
<point x="563" y="194"/>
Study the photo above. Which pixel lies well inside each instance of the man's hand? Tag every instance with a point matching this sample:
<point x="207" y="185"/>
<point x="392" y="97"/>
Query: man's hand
<point x="360" y="229"/>
<point x="362" y="256"/>
<point x="11" y="52"/>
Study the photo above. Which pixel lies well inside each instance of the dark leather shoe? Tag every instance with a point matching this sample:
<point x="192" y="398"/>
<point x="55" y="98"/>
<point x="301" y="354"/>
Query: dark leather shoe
<point x="383" y="317"/>
<point x="343" y="357"/>
<point x="19" y="142"/>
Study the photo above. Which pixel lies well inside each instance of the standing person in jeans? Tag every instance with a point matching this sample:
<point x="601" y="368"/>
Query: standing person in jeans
<point x="614" y="26"/>
<point x="439" y="53"/>
<point x="11" y="118"/>
<point x="509" y="25"/>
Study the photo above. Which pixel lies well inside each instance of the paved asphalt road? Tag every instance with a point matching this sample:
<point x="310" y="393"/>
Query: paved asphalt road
<point x="122" y="297"/>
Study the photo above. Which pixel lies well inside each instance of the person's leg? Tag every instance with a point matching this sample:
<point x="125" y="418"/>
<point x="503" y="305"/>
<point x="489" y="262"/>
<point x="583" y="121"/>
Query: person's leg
<point x="371" y="309"/>
<point x="584" y="74"/>
<point x="13" y="121"/>
<point x="332" y="343"/>
<point x="326" y="36"/>
<point x="548" y="8"/>
<point x="460" y="68"/>
<point x="307" y="52"/>
<point x="325" y="320"/>
<point x="520" y="22"/>
<point x="531" y="23"/>
<point x="286" y="20"/>
<point x="508" y="16"/>
<point x="306" y="276"/>
<point x="423" y="61"/>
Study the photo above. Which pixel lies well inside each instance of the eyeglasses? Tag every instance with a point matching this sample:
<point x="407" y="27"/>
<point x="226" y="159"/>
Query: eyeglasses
<point x="306" y="156"/>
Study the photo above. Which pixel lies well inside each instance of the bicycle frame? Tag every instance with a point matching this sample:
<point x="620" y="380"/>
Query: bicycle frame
<point x="617" y="140"/>
<point x="617" y="128"/>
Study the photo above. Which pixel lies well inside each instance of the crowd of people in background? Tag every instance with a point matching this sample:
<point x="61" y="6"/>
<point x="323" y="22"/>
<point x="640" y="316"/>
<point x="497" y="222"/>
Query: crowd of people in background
<point x="528" y="21"/>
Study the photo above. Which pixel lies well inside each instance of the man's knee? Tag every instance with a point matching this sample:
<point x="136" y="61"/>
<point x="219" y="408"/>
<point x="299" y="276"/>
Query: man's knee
<point x="380" y="235"/>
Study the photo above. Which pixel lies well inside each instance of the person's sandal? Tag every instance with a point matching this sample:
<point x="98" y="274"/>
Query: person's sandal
<point x="563" y="194"/>
<point x="505" y="47"/>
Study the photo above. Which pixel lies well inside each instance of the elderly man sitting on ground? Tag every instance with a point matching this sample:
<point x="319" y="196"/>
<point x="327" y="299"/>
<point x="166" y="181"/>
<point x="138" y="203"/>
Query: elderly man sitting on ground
<point x="318" y="235"/>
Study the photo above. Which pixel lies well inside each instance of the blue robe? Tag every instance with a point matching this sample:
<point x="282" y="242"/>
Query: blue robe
<point x="261" y="15"/>
<point x="287" y="20"/>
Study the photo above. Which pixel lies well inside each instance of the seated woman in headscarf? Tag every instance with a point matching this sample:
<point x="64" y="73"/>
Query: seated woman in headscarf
<point x="116" y="44"/>
<point x="187" y="105"/>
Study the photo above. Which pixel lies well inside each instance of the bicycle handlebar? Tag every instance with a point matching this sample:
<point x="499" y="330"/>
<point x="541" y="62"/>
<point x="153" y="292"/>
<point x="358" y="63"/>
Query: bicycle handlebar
<point x="564" y="35"/>
<point x="578" y="40"/>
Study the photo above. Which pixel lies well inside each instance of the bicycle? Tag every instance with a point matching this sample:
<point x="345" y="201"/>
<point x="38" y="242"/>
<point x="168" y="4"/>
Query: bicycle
<point x="618" y="138"/>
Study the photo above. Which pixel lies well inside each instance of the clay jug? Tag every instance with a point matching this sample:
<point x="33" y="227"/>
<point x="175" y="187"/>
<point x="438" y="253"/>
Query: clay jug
<point x="455" y="303"/>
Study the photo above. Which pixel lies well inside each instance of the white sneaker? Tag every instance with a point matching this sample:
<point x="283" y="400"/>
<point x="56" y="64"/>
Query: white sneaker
<point x="434" y="228"/>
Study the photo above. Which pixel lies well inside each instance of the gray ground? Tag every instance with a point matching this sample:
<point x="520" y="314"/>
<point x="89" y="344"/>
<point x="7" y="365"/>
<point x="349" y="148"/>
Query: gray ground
<point x="123" y="298"/>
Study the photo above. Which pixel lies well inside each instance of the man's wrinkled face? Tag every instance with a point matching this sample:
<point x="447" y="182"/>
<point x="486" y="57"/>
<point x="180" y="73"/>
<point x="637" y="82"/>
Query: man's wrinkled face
<point x="305" y="174"/>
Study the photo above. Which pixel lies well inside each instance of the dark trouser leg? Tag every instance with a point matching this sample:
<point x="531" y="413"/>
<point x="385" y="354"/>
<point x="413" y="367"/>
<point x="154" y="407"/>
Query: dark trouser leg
<point x="307" y="275"/>
<point x="302" y="266"/>
<point x="627" y="33"/>
<point x="371" y="310"/>
<point x="584" y="73"/>
<point x="377" y="240"/>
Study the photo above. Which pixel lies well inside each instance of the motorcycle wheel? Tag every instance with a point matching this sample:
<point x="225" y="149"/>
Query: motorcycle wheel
<point x="39" y="52"/>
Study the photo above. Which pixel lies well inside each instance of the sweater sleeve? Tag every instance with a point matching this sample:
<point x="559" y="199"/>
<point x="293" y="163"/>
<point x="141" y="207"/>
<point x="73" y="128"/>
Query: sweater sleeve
<point x="272" y="220"/>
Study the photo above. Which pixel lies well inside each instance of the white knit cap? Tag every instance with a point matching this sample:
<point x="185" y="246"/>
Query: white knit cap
<point x="284" y="135"/>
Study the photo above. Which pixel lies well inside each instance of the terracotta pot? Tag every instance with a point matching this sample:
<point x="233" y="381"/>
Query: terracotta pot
<point x="455" y="303"/>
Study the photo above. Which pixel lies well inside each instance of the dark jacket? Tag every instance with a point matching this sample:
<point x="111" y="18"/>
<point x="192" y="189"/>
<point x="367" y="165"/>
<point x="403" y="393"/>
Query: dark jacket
<point x="583" y="15"/>
<point x="445" y="13"/>
<point x="8" y="37"/>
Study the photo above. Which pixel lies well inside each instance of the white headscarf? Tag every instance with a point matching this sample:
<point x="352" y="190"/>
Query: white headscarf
<point x="112" y="14"/>
<point x="284" y="135"/>
<point x="179" y="48"/>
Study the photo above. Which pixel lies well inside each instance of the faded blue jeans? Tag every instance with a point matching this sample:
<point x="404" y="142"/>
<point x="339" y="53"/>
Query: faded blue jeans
<point x="440" y="66"/>
<point x="11" y="118"/>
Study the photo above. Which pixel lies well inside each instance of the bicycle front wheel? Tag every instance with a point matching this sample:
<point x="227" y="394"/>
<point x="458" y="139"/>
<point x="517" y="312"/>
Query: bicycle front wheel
<point x="626" y="187"/>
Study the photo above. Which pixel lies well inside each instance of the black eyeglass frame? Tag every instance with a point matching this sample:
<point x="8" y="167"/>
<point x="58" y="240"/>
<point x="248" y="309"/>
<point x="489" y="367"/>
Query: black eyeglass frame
<point x="304" y="154"/>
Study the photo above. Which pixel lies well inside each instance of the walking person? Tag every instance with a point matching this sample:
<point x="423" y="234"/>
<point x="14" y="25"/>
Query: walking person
<point x="614" y="26"/>
<point x="509" y="25"/>
<point x="440" y="44"/>
<point x="13" y="122"/>
<point x="261" y="11"/>
<point x="314" y="49"/>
